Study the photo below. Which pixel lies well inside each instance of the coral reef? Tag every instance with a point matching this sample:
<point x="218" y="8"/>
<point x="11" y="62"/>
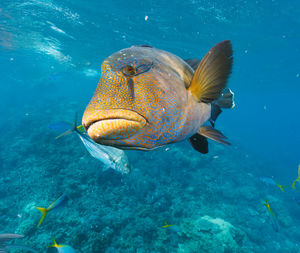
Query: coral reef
<point x="215" y="200"/>
<point x="208" y="234"/>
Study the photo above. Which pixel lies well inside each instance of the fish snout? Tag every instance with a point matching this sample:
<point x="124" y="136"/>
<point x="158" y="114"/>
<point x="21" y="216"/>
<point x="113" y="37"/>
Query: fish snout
<point x="112" y="124"/>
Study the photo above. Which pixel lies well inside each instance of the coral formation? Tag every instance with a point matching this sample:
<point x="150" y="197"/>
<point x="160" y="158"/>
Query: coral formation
<point x="215" y="200"/>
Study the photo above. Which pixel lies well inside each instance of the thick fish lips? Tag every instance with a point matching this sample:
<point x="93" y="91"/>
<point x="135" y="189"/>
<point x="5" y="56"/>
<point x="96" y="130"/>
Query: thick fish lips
<point x="116" y="124"/>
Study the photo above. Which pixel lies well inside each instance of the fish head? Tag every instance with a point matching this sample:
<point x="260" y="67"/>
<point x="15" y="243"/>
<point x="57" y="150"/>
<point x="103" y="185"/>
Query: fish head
<point x="134" y="105"/>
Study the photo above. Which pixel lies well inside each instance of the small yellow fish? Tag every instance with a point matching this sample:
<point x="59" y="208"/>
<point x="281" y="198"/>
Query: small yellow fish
<point x="61" y="248"/>
<point x="281" y="186"/>
<point x="297" y="179"/>
<point x="59" y="202"/>
<point x="272" y="216"/>
<point x="267" y="205"/>
<point x="167" y="225"/>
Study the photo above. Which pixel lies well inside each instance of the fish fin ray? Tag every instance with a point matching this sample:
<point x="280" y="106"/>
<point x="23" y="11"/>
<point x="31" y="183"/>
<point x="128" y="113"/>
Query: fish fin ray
<point x="64" y="134"/>
<point x="213" y="134"/>
<point x="211" y="75"/>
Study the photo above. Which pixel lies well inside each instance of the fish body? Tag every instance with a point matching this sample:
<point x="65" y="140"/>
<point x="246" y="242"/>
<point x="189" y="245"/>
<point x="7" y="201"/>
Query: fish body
<point x="274" y="223"/>
<point x="147" y="97"/>
<point x="64" y="127"/>
<point x="271" y="181"/>
<point x="267" y="180"/>
<point x="60" y="126"/>
<point x="60" y="202"/>
<point x="175" y="228"/>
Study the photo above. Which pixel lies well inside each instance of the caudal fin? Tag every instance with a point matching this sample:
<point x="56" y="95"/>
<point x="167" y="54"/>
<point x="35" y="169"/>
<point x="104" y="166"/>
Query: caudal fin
<point x="226" y="101"/>
<point x="71" y="130"/>
<point x="211" y="75"/>
<point x="44" y="212"/>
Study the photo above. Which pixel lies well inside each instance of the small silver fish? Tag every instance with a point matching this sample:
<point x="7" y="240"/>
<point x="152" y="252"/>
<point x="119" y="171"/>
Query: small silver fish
<point x="267" y="180"/>
<point x="4" y="238"/>
<point x="111" y="157"/>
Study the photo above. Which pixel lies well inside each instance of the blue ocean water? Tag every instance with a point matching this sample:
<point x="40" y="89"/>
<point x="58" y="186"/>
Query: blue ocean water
<point x="51" y="52"/>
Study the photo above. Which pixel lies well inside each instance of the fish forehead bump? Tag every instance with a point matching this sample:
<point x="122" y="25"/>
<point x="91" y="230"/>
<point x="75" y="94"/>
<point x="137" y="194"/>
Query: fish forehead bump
<point x="133" y="55"/>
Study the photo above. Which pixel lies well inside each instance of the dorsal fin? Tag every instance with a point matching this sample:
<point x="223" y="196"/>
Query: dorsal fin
<point x="193" y="63"/>
<point x="143" y="46"/>
<point x="211" y="75"/>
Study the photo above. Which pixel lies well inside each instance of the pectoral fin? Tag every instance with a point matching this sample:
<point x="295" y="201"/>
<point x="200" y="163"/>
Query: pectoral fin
<point x="199" y="143"/>
<point x="211" y="75"/>
<point x="213" y="134"/>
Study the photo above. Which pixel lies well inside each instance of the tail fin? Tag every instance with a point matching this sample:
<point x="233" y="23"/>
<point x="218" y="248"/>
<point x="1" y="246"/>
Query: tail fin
<point x="72" y="129"/>
<point x="211" y="75"/>
<point x="44" y="212"/>
<point x="54" y="245"/>
<point x="225" y="101"/>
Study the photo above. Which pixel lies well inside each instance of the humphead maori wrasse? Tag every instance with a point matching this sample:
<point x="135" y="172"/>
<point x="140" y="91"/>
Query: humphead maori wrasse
<point x="147" y="98"/>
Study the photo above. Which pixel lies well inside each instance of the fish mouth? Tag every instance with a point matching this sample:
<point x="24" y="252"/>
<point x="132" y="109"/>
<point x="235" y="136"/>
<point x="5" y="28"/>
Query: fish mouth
<point x="112" y="124"/>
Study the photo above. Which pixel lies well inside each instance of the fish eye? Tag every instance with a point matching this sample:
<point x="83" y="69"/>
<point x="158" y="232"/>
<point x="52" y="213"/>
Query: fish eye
<point x="129" y="70"/>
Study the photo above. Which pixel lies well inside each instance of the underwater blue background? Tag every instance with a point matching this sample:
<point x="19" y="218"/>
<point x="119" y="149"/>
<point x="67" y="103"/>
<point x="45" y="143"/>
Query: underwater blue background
<point x="50" y="57"/>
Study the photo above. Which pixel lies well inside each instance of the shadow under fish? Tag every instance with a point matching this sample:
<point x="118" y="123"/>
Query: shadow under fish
<point x="111" y="157"/>
<point x="4" y="238"/>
